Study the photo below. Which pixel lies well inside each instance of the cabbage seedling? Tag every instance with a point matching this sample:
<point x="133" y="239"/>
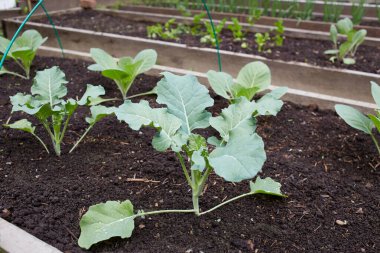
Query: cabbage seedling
<point x="252" y="78"/>
<point x="46" y="103"/>
<point x="23" y="51"/>
<point x="238" y="155"/>
<point x="345" y="52"/>
<point x="124" y="70"/>
<point x="358" y="120"/>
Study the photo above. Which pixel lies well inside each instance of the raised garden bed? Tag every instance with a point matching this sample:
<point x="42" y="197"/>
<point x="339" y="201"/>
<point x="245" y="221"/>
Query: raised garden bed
<point x="329" y="81"/>
<point x="372" y="27"/>
<point x="328" y="170"/>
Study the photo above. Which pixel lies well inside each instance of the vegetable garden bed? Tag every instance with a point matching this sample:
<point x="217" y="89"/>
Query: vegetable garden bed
<point x="372" y="27"/>
<point x="330" y="81"/>
<point x="328" y="170"/>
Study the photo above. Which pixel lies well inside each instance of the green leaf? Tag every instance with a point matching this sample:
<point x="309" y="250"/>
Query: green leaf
<point x="270" y="103"/>
<point x="99" y="112"/>
<point x="266" y="186"/>
<point x="23" y="125"/>
<point x="49" y="86"/>
<point x="141" y="114"/>
<point x="106" y="220"/>
<point x="185" y="98"/>
<point x="349" y="61"/>
<point x="252" y="78"/>
<point x="358" y="37"/>
<point x="196" y="142"/>
<point x="31" y="39"/>
<point x="334" y="34"/>
<point x="331" y="51"/>
<point x="198" y="161"/>
<point x="25" y="103"/>
<point x="344" y="26"/>
<point x="354" y="118"/>
<point x="242" y="158"/>
<point x="103" y="59"/>
<point x="214" y="141"/>
<point x="92" y="92"/>
<point x="375" y="121"/>
<point x="375" y="91"/>
<point x="147" y="58"/>
<point x="237" y="119"/>
<point x="221" y="83"/>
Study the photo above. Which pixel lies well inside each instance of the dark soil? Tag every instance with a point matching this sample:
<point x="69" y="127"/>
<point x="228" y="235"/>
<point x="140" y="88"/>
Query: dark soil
<point x="329" y="171"/>
<point x="293" y="49"/>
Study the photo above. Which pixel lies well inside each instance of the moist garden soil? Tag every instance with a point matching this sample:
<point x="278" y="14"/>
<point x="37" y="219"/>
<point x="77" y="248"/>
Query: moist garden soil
<point x="299" y="50"/>
<point x="329" y="171"/>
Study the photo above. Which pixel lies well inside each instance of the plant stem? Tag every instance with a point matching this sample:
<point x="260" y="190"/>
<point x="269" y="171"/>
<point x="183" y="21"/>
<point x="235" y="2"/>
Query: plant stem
<point x="188" y="179"/>
<point x="81" y="138"/>
<point x="65" y="128"/>
<point x="43" y="144"/>
<point x="376" y="143"/>
<point x="15" y="74"/>
<point x="226" y="202"/>
<point x="163" y="211"/>
<point x="151" y="92"/>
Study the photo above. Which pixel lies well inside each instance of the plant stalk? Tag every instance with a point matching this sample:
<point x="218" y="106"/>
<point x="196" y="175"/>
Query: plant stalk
<point x="43" y="144"/>
<point x="151" y="92"/>
<point x="376" y="143"/>
<point x="189" y="181"/>
<point x="81" y="138"/>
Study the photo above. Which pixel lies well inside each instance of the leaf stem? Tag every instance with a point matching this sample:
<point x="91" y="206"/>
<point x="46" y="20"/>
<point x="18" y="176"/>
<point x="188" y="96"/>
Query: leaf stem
<point x="43" y="144"/>
<point x="65" y="128"/>
<point x="188" y="179"/>
<point x="151" y="92"/>
<point x="164" y="211"/>
<point x="81" y="138"/>
<point x="15" y="74"/>
<point x="376" y="143"/>
<point x="226" y="202"/>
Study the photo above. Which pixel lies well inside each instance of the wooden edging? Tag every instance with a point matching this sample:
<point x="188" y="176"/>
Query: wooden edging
<point x="16" y="240"/>
<point x="14" y="12"/>
<point x="295" y="95"/>
<point x="264" y="20"/>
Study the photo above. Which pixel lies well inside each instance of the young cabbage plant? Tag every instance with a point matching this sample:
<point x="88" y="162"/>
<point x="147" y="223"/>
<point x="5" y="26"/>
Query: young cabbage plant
<point x="358" y="120"/>
<point x="279" y="33"/>
<point x="261" y="41"/>
<point x="123" y="70"/>
<point x="47" y="104"/>
<point x="345" y="52"/>
<point x="252" y="78"/>
<point x="238" y="155"/>
<point x="209" y="38"/>
<point x="22" y="52"/>
<point x="237" y="32"/>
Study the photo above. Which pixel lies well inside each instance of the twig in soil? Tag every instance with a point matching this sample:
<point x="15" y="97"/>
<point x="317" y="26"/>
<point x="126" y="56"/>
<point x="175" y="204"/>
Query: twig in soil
<point x="71" y="233"/>
<point x="143" y="180"/>
<point x="315" y="230"/>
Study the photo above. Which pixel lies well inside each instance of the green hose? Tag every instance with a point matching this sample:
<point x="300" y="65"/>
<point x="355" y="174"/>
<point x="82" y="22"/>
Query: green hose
<point x="40" y="3"/>
<point x="215" y="35"/>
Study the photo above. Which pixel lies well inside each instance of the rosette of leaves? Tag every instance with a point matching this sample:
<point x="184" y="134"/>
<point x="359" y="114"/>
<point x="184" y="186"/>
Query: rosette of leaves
<point x="237" y="154"/>
<point x="23" y="51"/>
<point x="123" y="71"/>
<point x="360" y="121"/>
<point x="345" y="52"/>
<point x="253" y="78"/>
<point x="47" y="104"/>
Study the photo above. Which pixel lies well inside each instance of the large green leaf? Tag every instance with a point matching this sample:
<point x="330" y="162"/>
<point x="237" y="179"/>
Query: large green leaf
<point x="270" y="103"/>
<point x="354" y="118"/>
<point x="254" y="75"/>
<point x="23" y="125"/>
<point x="344" y="26"/>
<point x="141" y="114"/>
<point x="49" y="86"/>
<point x="375" y="90"/>
<point x="237" y="119"/>
<point x="266" y="186"/>
<point x="187" y="99"/>
<point x="221" y="83"/>
<point x="106" y="220"/>
<point x="242" y="158"/>
<point x="30" y="39"/>
<point x="25" y="103"/>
